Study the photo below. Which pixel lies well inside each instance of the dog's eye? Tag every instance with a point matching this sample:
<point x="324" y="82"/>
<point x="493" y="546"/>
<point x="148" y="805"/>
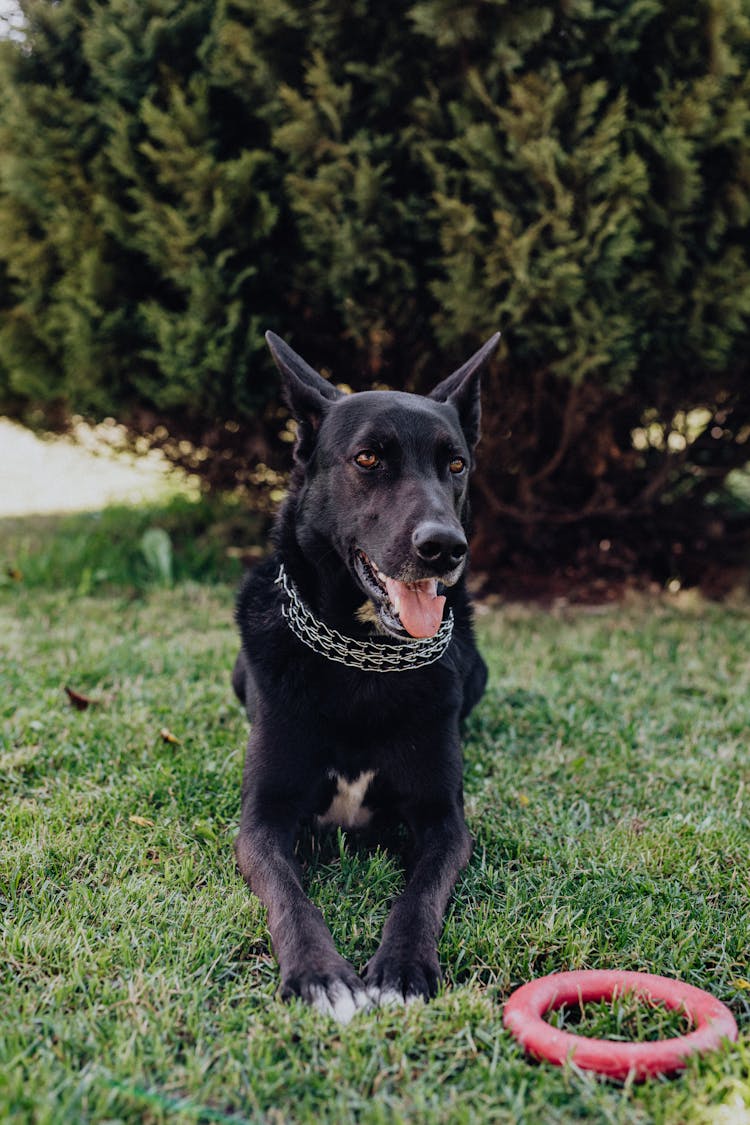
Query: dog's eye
<point x="457" y="465"/>
<point x="367" y="459"/>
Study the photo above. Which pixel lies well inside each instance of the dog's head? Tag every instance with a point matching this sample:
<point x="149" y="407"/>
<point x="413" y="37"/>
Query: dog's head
<point x="383" y="482"/>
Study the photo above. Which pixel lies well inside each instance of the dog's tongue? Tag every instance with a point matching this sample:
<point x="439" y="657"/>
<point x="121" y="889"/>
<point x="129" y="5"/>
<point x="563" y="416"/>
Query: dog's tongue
<point x="419" y="607"/>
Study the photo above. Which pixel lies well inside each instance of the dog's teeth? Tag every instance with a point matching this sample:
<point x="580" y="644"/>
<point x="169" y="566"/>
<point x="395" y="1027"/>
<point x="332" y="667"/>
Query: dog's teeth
<point x="397" y="604"/>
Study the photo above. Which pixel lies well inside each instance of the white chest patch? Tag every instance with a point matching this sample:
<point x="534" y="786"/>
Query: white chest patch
<point x="346" y="809"/>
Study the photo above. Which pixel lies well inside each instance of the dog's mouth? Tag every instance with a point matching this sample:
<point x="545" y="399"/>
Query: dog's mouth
<point x="404" y="608"/>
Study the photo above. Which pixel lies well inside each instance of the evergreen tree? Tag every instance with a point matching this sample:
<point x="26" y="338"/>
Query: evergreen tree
<point x="387" y="185"/>
<point x="592" y="195"/>
<point x="133" y="239"/>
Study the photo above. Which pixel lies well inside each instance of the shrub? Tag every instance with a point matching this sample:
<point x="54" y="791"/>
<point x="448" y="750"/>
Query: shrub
<point x="386" y="186"/>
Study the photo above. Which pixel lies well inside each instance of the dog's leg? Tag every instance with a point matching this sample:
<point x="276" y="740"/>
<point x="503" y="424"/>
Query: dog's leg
<point x="243" y="683"/>
<point x="475" y="682"/>
<point x="310" y="966"/>
<point x="406" y="964"/>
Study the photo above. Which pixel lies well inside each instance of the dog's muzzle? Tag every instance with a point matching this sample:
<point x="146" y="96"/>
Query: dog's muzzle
<point x="406" y="606"/>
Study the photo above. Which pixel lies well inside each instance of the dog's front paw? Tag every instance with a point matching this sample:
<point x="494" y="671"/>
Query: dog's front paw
<point x="399" y="980"/>
<point x="336" y="991"/>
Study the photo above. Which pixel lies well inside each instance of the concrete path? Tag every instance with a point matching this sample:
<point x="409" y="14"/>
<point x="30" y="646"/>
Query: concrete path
<point x="44" y="476"/>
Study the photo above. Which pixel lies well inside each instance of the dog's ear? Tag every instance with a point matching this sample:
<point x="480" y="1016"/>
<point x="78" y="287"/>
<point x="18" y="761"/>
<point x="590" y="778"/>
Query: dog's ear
<point x="462" y="390"/>
<point x="307" y="394"/>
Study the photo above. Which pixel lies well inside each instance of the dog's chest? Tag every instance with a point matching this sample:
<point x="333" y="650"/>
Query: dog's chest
<point x="347" y="809"/>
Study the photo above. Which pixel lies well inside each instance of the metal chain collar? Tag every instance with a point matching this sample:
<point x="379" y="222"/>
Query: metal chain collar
<point x="381" y="654"/>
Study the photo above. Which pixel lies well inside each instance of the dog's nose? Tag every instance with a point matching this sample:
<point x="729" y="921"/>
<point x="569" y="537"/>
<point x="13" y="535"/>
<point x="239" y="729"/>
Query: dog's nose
<point x="441" y="547"/>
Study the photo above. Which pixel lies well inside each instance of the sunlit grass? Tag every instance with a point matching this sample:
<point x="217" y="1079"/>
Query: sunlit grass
<point x="606" y="788"/>
<point x="85" y="552"/>
<point x="625" y="1019"/>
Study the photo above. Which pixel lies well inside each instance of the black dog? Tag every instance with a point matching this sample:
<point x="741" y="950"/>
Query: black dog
<point x="358" y="662"/>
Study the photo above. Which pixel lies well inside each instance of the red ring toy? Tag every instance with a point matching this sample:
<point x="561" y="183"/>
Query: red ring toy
<point x="523" y="1013"/>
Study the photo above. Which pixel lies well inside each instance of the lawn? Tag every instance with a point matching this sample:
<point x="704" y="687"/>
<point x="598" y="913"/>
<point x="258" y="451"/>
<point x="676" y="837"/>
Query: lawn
<point x="608" y="792"/>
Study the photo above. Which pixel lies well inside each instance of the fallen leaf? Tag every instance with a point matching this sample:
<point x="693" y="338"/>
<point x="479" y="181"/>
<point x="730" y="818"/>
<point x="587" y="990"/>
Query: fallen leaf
<point x="740" y="982"/>
<point x="523" y="800"/>
<point x="14" y="574"/>
<point x="141" y="821"/>
<point x="79" y="701"/>
<point x="169" y="737"/>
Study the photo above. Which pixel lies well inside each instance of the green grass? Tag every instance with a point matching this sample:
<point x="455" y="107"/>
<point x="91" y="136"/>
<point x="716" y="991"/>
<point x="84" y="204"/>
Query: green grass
<point x="625" y="1019"/>
<point x="93" y="552"/>
<point x="607" y="787"/>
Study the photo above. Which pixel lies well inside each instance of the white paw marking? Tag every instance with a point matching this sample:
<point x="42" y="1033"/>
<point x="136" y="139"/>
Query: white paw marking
<point x="392" y="997"/>
<point x="388" y="998"/>
<point x="319" y="1000"/>
<point x="338" y="1001"/>
<point x="346" y="808"/>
